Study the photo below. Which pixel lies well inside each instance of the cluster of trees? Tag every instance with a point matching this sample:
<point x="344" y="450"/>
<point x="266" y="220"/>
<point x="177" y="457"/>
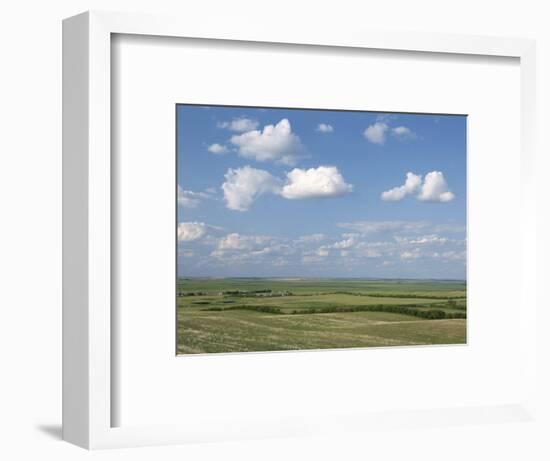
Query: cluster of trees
<point x="191" y="293"/>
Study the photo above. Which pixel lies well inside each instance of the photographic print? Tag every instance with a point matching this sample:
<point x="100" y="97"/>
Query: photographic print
<point x="310" y="229"/>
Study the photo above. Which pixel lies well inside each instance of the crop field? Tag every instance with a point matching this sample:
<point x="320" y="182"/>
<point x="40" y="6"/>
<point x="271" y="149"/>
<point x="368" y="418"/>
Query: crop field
<point x="254" y="314"/>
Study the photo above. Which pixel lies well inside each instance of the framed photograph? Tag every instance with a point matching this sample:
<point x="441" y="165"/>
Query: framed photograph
<point x="257" y="222"/>
<point x="304" y="229"/>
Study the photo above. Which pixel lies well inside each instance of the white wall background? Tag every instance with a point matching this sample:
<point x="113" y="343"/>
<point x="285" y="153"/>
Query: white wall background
<point x="30" y="231"/>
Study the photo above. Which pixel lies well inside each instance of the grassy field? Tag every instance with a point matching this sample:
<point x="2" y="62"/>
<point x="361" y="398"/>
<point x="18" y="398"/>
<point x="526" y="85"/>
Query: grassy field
<point x="243" y="315"/>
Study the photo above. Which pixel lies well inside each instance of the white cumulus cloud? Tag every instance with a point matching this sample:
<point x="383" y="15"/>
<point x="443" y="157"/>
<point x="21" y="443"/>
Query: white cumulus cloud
<point x="240" y="124"/>
<point x="435" y="189"/>
<point x="276" y="143"/>
<point x="217" y="149"/>
<point x="412" y="184"/>
<point x="432" y="188"/>
<point x="376" y="133"/>
<point x="190" y="231"/>
<point x="244" y="185"/>
<point x="323" y="181"/>
<point x="324" y="128"/>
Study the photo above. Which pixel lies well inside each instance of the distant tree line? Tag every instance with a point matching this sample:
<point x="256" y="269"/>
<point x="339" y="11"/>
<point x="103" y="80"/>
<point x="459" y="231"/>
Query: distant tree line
<point x="256" y="293"/>
<point x="191" y="293"/>
<point x="431" y="314"/>
<point x="245" y="292"/>
<point x="247" y="307"/>
<point x="271" y="293"/>
<point x="398" y="295"/>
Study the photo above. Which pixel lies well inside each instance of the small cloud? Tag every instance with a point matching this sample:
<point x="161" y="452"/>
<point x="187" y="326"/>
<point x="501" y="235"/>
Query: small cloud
<point x="402" y="132"/>
<point x="345" y="244"/>
<point x="276" y="143"/>
<point x="217" y="149"/>
<point x="323" y="181"/>
<point x="429" y="240"/>
<point x="236" y="241"/>
<point x="236" y="247"/>
<point x="324" y="128"/>
<point x="376" y="133"/>
<point x="435" y="188"/>
<point x="317" y="255"/>
<point x="186" y="199"/>
<point x="191" y="231"/>
<point x="190" y="199"/>
<point x="240" y="124"/>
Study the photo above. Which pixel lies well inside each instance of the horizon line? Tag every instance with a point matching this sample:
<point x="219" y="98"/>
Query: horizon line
<point x="317" y="278"/>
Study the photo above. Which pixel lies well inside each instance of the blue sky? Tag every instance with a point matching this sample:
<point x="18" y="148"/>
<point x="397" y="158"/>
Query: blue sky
<point x="311" y="193"/>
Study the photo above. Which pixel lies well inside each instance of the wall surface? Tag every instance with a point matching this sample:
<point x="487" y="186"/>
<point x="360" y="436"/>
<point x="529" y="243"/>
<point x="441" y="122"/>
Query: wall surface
<point x="30" y="243"/>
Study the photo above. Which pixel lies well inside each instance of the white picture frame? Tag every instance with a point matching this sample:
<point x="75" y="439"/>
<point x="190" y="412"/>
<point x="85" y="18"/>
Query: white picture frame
<point x="88" y="363"/>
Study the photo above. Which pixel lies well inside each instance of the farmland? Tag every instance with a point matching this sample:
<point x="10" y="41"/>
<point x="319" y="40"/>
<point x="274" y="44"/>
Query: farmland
<point x="255" y="314"/>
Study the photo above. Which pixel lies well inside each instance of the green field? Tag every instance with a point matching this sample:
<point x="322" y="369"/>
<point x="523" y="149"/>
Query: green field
<point x="254" y="314"/>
